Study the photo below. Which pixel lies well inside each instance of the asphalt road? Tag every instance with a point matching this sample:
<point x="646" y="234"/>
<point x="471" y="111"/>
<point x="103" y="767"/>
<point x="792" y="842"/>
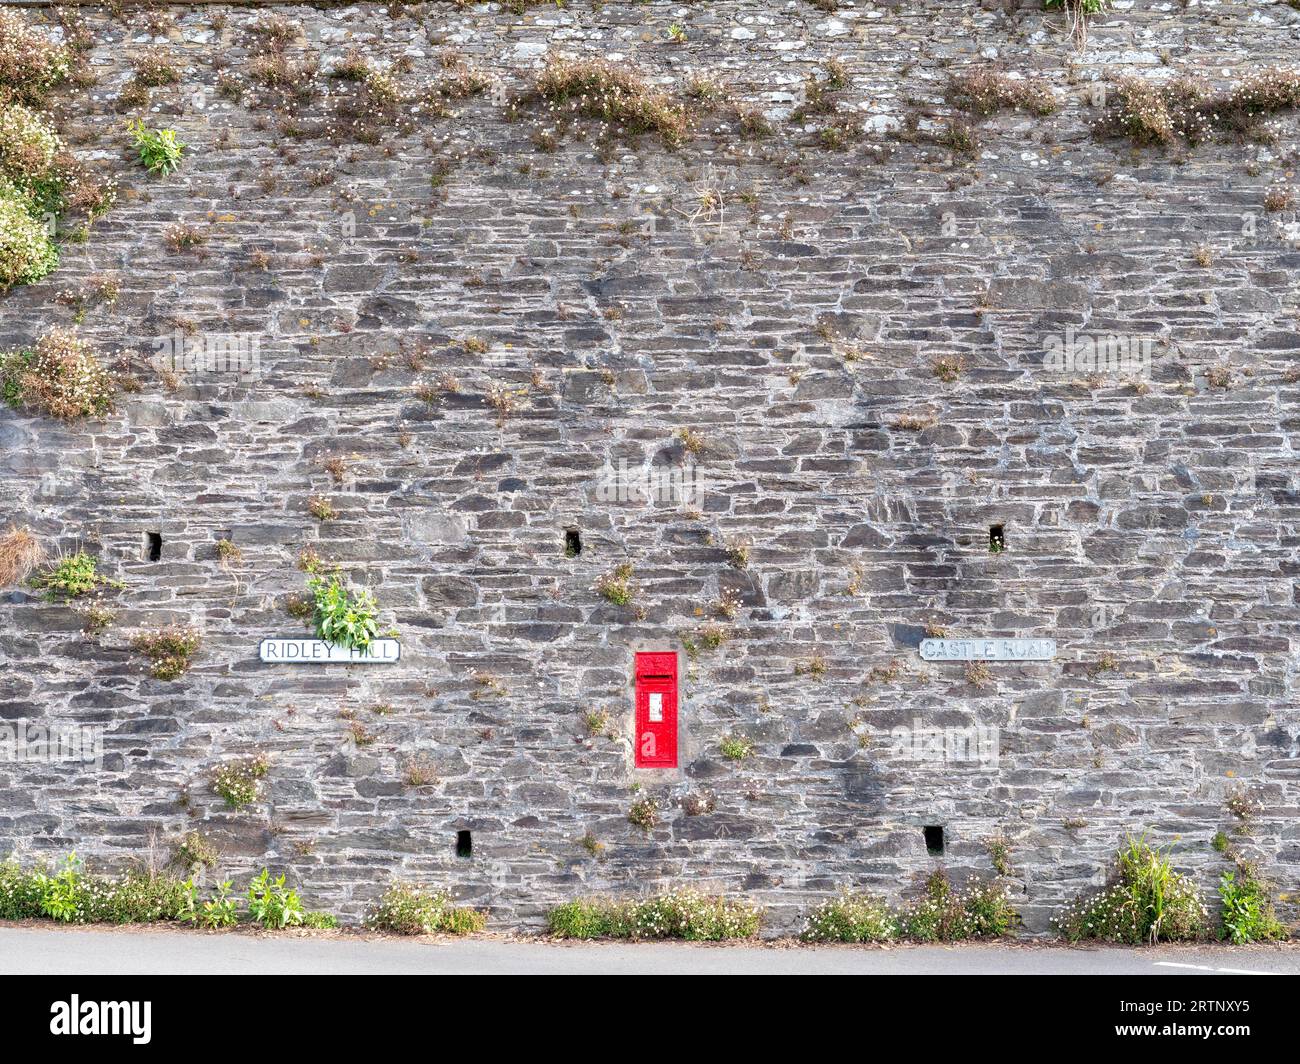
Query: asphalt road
<point x="94" y="951"/>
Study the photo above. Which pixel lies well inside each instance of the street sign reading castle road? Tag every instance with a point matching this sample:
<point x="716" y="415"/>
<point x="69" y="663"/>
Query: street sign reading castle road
<point x="318" y="651"/>
<point x="988" y="649"/>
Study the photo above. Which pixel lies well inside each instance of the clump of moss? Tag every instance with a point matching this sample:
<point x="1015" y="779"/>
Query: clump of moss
<point x="644" y="813"/>
<point x="617" y="586"/>
<point x="1183" y="110"/>
<point x="736" y="747"/>
<point x="30" y="63"/>
<point x="240" y="782"/>
<point x="616" y="94"/>
<point x="985" y="91"/>
<point x="170" y="650"/>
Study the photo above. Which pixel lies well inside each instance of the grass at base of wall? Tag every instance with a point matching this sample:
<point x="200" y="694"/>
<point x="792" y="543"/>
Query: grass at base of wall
<point x="680" y="914"/>
<point x="406" y="909"/>
<point x="977" y="911"/>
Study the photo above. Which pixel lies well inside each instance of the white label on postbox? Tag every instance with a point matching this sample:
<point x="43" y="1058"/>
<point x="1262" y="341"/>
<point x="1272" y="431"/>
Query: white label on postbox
<point x="656" y="708"/>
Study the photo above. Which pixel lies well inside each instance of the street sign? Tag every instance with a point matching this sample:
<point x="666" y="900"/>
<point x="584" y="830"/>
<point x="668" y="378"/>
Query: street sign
<point x="319" y="652"/>
<point x="988" y="649"/>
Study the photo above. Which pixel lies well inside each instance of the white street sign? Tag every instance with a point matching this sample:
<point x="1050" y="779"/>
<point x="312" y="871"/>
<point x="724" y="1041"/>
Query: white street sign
<point x="318" y="651"/>
<point x="988" y="649"/>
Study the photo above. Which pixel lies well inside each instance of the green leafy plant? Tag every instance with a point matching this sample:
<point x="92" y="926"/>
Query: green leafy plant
<point x="160" y="150"/>
<point x="61" y="899"/>
<point x="345" y="618"/>
<point x="1247" y="914"/>
<point x="684" y="914"/>
<point x="272" y="904"/>
<point x="72" y="895"/>
<point x="72" y="576"/>
<point x="220" y="911"/>
<point x="1144" y="900"/>
<point x="406" y="909"/>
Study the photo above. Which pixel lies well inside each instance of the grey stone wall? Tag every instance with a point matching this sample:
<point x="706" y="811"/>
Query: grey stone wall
<point x="1150" y="518"/>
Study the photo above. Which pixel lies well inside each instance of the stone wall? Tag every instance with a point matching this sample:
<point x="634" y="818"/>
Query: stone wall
<point x="784" y="301"/>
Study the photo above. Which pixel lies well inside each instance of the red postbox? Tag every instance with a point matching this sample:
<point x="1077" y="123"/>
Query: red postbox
<point x="656" y="711"/>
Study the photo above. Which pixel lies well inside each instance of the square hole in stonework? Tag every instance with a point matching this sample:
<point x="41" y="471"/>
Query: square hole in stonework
<point x="934" y="840"/>
<point x="997" y="539"/>
<point x="572" y="543"/>
<point x="464" y="844"/>
<point x="153" y="546"/>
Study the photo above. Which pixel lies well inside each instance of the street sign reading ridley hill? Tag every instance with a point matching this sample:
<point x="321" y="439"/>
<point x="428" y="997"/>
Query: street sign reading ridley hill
<point x="319" y="652"/>
<point x="988" y="649"/>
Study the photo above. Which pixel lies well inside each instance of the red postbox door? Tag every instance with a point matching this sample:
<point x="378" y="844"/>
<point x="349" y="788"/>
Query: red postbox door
<point x="656" y="711"/>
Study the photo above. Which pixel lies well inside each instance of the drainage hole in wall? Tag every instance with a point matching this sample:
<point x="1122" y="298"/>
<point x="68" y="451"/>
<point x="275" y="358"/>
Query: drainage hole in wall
<point x="464" y="844"/>
<point x="153" y="546"/>
<point x="572" y="543"/>
<point x="997" y="539"/>
<point x="934" y="839"/>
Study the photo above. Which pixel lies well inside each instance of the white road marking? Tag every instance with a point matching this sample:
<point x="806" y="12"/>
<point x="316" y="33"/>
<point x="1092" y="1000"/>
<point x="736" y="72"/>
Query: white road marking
<point x="1206" y="968"/>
